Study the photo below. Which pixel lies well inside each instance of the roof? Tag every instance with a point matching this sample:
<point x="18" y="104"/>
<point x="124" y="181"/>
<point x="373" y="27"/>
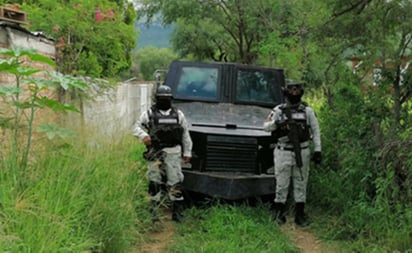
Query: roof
<point x="22" y="29"/>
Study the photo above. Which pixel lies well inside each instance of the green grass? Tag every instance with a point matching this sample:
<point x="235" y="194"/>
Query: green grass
<point x="76" y="198"/>
<point x="227" y="228"/>
<point x="79" y="197"/>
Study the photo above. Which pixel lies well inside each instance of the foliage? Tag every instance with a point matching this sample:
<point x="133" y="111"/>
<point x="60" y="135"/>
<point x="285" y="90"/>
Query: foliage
<point x="78" y="199"/>
<point x="87" y="44"/>
<point x="365" y="177"/>
<point x="25" y="98"/>
<point x="226" y="228"/>
<point x="222" y="27"/>
<point x="291" y="31"/>
<point x="151" y="59"/>
<point x="380" y="45"/>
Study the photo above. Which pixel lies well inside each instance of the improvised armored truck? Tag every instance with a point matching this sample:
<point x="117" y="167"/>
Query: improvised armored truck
<point x="225" y="105"/>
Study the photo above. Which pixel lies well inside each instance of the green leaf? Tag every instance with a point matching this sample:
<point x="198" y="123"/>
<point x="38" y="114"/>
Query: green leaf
<point x="53" y="130"/>
<point x="55" y="105"/>
<point x="66" y="81"/>
<point x="40" y="83"/>
<point x="23" y="71"/>
<point x="10" y="91"/>
<point x="6" y="122"/>
<point x="23" y="105"/>
<point x="8" y="64"/>
<point x="7" y="52"/>
<point x="43" y="59"/>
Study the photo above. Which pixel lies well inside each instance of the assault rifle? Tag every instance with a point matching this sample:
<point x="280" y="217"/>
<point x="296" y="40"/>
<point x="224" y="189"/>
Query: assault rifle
<point x="293" y="136"/>
<point x="153" y="154"/>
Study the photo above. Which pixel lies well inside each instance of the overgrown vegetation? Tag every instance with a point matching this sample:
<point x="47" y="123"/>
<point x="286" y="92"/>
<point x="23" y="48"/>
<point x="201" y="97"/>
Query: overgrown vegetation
<point x="76" y="199"/>
<point x="364" y="185"/>
<point x="58" y="195"/>
<point x="230" y="228"/>
<point x="63" y="195"/>
<point x="93" y="38"/>
<point x="23" y="99"/>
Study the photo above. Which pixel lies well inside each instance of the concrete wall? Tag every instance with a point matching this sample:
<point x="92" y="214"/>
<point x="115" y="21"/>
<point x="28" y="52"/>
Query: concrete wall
<point x="14" y="36"/>
<point x="116" y="111"/>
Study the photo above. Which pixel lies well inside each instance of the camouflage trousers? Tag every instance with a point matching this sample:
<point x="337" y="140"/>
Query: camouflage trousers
<point x="287" y="172"/>
<point x="165" y="177"/>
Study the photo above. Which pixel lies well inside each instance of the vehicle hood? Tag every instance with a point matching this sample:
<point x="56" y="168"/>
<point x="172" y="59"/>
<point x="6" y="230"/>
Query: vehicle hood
<point x="225" y="118"/>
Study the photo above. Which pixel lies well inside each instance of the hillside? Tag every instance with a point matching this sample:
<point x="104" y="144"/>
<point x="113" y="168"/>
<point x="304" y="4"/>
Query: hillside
<point x="154" y="35"/>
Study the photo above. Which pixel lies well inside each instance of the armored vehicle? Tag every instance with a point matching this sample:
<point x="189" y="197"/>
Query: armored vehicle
<point x="226" y="105"/>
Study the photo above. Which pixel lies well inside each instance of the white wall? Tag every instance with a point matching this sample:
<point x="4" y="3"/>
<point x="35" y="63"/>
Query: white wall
<point x="116" y="111"/>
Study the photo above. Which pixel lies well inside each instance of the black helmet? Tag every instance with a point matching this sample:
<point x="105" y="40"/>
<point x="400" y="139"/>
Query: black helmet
<point x="164" y="91"/>
<point x="163" y="97"/>
<point x="292" y="86"/>
<point x="292" y="96"/>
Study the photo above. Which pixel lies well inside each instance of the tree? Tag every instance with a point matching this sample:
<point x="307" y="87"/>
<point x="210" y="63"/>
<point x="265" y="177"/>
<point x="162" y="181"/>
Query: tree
<point x="382" y="42"/>
<point x="291" y="35"/>
<point x="151" y="59"/>
<point x="211" y="29"/>
<point x="93" y="38"/>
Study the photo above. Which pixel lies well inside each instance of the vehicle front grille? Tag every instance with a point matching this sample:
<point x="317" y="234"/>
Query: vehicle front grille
<point x="232" y="153"/>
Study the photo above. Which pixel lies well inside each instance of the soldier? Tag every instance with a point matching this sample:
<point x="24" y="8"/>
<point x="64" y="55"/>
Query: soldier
<point x="294" y="124"/>
<point x="164" y="131"/>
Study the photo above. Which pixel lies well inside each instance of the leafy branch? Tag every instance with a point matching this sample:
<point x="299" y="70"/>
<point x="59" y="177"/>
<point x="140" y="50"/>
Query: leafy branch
<point x="27" y="95"/>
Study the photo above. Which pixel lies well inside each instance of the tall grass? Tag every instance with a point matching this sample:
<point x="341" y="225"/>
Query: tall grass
<point x="77" y="198"/>
<point x="227" y="228"/>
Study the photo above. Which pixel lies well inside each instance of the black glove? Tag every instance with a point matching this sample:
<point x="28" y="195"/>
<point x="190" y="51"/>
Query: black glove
<point x="317" y="157"/>
<point x="281" y="124"/>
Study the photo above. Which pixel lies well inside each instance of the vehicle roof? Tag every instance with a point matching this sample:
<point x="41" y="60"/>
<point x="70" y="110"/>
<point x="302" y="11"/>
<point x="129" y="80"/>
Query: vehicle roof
<point x="228" y="79"/>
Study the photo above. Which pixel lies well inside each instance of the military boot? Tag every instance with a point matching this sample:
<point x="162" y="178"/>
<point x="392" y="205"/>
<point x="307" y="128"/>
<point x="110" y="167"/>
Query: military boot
<point x="153" y="209"/>
<point x="300" y="216"/>
<point x="177" y="211"/>
<point x="279" y="215"/>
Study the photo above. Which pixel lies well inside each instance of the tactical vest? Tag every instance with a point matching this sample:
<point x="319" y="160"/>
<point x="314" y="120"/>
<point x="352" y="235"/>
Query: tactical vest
<point x="165" y="130"/>
<point x="299" y="116"/>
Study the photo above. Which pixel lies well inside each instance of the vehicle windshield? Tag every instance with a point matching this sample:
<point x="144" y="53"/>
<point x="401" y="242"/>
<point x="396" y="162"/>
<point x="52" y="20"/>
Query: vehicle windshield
<point x="199" y="82"/>
<point x="255" y="86"/>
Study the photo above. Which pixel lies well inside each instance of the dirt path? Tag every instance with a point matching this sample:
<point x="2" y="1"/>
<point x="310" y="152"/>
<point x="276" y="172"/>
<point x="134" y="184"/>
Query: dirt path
<point x="305" y="240"/>
<point x="161" y="235"/>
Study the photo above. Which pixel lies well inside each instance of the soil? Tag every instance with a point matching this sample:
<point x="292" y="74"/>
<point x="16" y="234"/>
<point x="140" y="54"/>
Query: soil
<point x="160" y="235"/>
<point x="304" y="239"/>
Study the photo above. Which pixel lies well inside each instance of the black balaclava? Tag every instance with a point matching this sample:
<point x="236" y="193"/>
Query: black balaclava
<point x="163" y="103"/>
<point x="294" y="98"/>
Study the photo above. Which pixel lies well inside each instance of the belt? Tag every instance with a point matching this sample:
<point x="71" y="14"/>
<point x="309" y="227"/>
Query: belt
<point x="290" y="149"/>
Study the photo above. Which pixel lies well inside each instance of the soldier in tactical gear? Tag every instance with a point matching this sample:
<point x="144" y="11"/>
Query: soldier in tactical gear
<point x="164" y="131"/>
<point x="294" y="124"/>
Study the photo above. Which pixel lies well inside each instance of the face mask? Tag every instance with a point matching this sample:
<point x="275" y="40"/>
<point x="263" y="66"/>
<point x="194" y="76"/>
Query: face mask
<point x="294" y="99"/>
<point x="163" y="103"/>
